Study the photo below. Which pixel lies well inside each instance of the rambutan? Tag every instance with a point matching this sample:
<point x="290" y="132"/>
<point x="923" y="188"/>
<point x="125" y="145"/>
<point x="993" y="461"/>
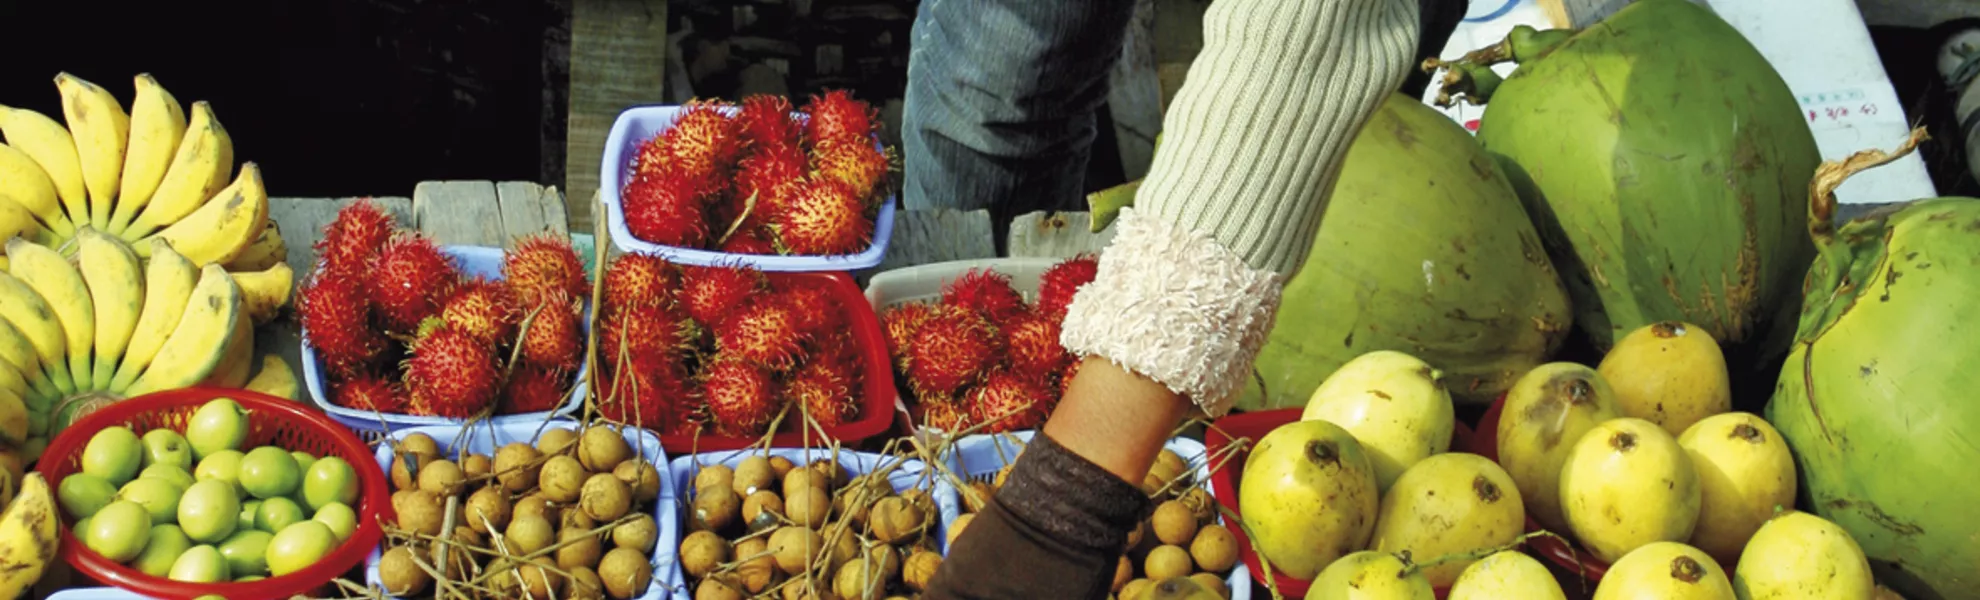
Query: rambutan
<point x="354" y="237"/>
<point x="638" y="279"/>
<point x="1066" y="374"/>
<point x="817" y="310"/>
<point x="987" y="292"/>
<point x="542" y="263"/>
<point x="825" y="393"/>
<point x="766" y="122"/>
<point x="954" y="348"/>
<point x="712" y="292"/>
<point x="645" y="331"/>
<point x="553" y="339"/>
<point x="409" y="280"/>
<point x="948" y="416"/>
<point x="1058" y="284"/>
<point x="532" y="389"/>
<point x="748" y="241"/>
<point x="826" y="216"/>
<point x="452" y="375"/>
<point x="766" y="332"/>
<point x="740" y="396"/>
<point x="1008" y="402"/>
<point x="368" y="392"/>
<point x="336" y="320"/>
<point x="645" y="393"/>
<point x="852" y="160"/>
<point x="901" y="323"/>
<point x="704" y="142"/>
<point x="837" y="115"/>
<point x="772" y="176"/>
<point x="483" y="309"/>
<point x="1033" y="341"/>
<point x="665" y="210"/>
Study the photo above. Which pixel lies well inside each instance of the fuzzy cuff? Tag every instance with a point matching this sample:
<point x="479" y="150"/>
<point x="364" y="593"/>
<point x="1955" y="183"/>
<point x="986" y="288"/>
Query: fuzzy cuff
<point x="1176" y="307"/>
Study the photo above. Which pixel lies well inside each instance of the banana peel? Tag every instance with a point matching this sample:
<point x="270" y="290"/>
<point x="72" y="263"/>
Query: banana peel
<point x="275" y="379"/>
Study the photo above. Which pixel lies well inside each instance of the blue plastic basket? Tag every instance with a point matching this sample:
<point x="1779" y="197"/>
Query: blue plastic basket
<point x="485" y="439"/>
<point x="978" y="457"/>
<point x="96" y="593"/>
<point x="640" y="123"/>
<point x="474" y="261"/>
<point x="910" y="473"/>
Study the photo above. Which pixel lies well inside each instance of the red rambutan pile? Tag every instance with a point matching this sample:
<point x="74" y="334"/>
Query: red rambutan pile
<point x="901" y="323"/>
<point x="645" y="393"/>
<point x="987" y="292"/>
<point x="944" y="414"/>
<point x="955" y="348"/>
<point x="665" y="209"/>
<point x="704" y="142"/>
<point x="749" y="241"/>
<point x="740" y="396"/>
<point x="1058" y="284"/>
<point x="824" y="392"/>
<point x="645" y="331"/>
<point x="766" y="121"/>
<point x="1009" y="402"/>
<point x="1034" y="345"/>
<point x="409" y="280"/>
<point x="816" y="310"/>
<point x="636" y="280"/>
<point x="710" y="293"/>
<point x="825" y="216"/>
<point x="533" y="389"/>
<point x="354" y="237"/>
<point x="541" y="264"/>
<point x="851" y="160"/>
<point x="336" y="315"/>
<point x="772" y="177"/>
<point x="552" y="339"/>
<point x="765" y="332"/>
<point x="452" y="375"/>
<point x="485" y="310"/>
<point x="836" y="115"/>
<point x="368" y="392"/>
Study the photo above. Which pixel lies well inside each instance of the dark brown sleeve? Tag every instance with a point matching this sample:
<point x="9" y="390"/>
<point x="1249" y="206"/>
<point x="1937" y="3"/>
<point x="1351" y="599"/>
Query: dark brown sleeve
<point x="1055" y="530"/>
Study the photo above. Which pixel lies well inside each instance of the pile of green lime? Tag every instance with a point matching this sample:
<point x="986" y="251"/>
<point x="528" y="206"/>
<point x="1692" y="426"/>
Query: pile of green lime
<point x="193" y="507"/>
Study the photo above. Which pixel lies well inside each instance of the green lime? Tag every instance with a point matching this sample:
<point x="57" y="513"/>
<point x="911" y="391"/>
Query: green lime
<point x="167" y="542"/>
<point x="119" y="531"/>
<point x="200" y="564"/>
<point x="158" y="497"/>
<point x="82" y="494"/>
<point x="303" y="460"/>
<point x="224" y="465"/>
<point x="298" y="546"/>
<point x="219" y="424"/>
<point x="330" y="480"/>
<point x="176" y="474"/>
<point x="278" y="513"/>
<point x="247" y="552"/>
<point x="115" y="454"/>
<point x="268" y="471"/>
<point x="167" y="447"/>
<point x="209" y="512"/>
<point x="339" y="516"/>
<point x="248" y="510"/>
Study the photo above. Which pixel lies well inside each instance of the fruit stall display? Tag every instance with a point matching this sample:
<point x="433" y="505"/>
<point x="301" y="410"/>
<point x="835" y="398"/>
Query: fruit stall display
<point x="529" y="510"/>
<point x="399" y="331"/>
<point x="811" y="523"/>
<point x="758" y="182"/>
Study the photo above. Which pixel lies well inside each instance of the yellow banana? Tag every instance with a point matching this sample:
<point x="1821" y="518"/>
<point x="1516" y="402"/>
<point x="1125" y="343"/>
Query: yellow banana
<point x="32" y="449"/>
<point x="35" y="320"/>
<point x="223" y="228"/>
<point x="27" y="535"/>
<point x="58" y="282"/>
<point x="199" y="342"/>
<point x="17" y="223"/>
<point x="116" y="289"/>
<point x="158" y="123"/>
<point x="168" y="283"/>
<point x="54" y="149"/>
<point x="23" y="181"/>
<point x="275" y="379"/>
<point x="200" y="167"/>
<point x="16" y="351"/>
<point x="13" y="418"/>
<point x="265" y="252"/>
<point x="237" y="360"/>
<point x="100" y="127"/>
<point x="11" y="380"/>
<point x="265" y="292"/>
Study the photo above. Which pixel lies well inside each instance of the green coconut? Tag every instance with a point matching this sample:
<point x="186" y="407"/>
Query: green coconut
<point x="1666" y="165"/>
<point x="1872" y="401"/>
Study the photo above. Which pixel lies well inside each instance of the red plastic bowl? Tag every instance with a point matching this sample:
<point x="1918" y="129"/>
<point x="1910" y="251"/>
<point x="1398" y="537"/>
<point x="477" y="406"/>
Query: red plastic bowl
<point x="876" y="400"/>
<point x="1224" y="481"/>
<point x="285" y="423"/>
<point x="1569" y="556"/>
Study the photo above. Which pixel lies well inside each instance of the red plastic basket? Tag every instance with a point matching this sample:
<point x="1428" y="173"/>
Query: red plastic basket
<point x="1224" y="481"/>
<point x="271" y="420"/>
<point x="876" y="390"/>
<point x="1568" y="556"/>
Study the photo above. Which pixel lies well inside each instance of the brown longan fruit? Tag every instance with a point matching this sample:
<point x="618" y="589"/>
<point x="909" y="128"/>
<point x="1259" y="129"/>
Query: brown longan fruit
<point x="1212" y="584"/>
<point x="605" y="497"/>
<point x="716" y="508"/>
<point x="476" y="466"/>
<point x="796" y="547"/>
<point x="489" y="502"/>
<point x="714" y="476"/>
<point x="718" y="588"/>
<point x="808" y="507"/>
<point x="1171" y="464"/>
<point x="638" y="534"/>
<point x="601" y="447"/>
<point x="894" y="520"/>
<point x="758" y="502"/>
<point x="422" y="512"/>
<point x="920" y="568"/>
<point x="1123" y="573"/>
<point x="781" y="466"/>
<point x="516" y="467"/>
<point x="459" y="558"/>
<point x="399" y="498"/>
<point x="753" y="473"/>
<point x="401" y="576"/>
<point x="885" y="557"/>
<point x="441" y="477"/>
<point x="756" y="573"/>
<point x="835" y="476"/>
<point x="640" y="477"/>
<point x="535" y="505"/>
<point x="579" y="549"/>
<point x="1165" y="562"/>
<point x="844" y="547"/>
<point x="560" y="479"/>
<point x="584" y="585"/>
<point x="555" y="439"/>
<point x="856" y="581"/>
<point x="956" y="528"/>
<point x="403" y="479"/>
<point x="1215" y="549"/>
<point x="859" y="497"/>
<point x="576" y="519"/>
<point x="1134" y="589"/>
<point x="799" y="479"/>
<point x="920" y="499"/>
<point x="1173" y="523"/>
<point x="540" y="579"/>
<point x="702" y="552"/>
<point x="419" y="443"/>
<point x="528" y="534"/>
<point x="626" y="573"/>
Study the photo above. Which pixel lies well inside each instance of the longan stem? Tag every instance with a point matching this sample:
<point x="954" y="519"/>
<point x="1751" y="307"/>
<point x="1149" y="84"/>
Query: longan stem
<point x="1271" y="579"/>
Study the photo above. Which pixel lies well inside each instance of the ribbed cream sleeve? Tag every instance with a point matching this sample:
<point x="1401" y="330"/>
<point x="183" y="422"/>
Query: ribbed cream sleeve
<point x="1257" y="134"/>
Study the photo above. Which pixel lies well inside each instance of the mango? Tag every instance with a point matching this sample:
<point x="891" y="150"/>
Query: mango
<point x="1804" y="557"/>
<point x="1665" y="571"/>
<point x="1627" y="484"/>
<point x="1545" y="413"/>
<point x="1449" y="504"/>
<point x="1670" y="373"/>
<point x="1745" y="474"/>
<point x="1506" y="574"/>
<point x="1394" y="404"/>
<point x="1371" y="575"/>
<point x="1308" y="494"/>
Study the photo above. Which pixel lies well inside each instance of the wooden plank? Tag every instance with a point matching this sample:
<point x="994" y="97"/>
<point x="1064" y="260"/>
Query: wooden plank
<point x="1056" y="235"/>
<point x="458" y="212"/>
<point x="618" y="59"/>
<point x="937" y="235"/>
<point x="1579" y="13"/>
<point x="1135" y="97"/>
<point x="528" y="208"/>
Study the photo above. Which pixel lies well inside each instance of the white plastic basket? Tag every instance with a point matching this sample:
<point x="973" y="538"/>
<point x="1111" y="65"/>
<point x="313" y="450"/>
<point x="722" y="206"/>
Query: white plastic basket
<point x="486" y="438"/>
<point x="96" y="593"/>
<point x="979" y="457"/>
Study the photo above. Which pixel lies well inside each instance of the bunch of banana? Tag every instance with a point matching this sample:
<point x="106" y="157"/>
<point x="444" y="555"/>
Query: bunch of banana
<point x="27" y="536"/>
<point x="151" y="173"/>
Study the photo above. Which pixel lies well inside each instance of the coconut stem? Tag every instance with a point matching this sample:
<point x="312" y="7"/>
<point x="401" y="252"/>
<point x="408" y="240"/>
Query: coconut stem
<point x="1832" y="174"/>
<point x="1471" y="78"/>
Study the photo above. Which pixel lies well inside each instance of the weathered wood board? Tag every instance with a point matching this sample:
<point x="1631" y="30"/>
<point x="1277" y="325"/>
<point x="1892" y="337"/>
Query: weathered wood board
<point x="1056" y="235"/>
<point x="618" y="59"/>
<point x="938" y="235"/>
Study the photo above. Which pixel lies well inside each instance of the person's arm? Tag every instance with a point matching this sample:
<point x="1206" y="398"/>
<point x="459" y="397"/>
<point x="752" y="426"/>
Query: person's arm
<point x="1188" y="289"/>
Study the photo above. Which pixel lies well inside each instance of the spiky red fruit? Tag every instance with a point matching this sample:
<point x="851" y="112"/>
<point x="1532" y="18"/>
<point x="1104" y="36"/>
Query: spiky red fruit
<point x="766" y="332"/>
<point x="766" y="122"/>
<point x="533" y="389"/>
<point x="946" y="415"/>
<point x="901" y="323"/>
<point x="369" y="392"/>
<point x="409" y="280"/>
<point x="825" y="392"/>
<point x="638" y="279"/>
<point x="544" y="263"/>
<point x="336" y="319"/>
<point x="1033" y="341"/>
<point x="1008" y="402"/>
<point x="852" y="160"/>
<point x="354" y="237"/>
<point x="817" y="310"/>
<point x="836" y="114"/>
<point x="553" y="339"/>
<point x="712" y="292"/>
<point x="665" y="209"/>
<point x="648" y="393"/>
<point x="825" y="216"/>
<point x="740" y="396"/>
<point x="772" y="176"/>
<point x="987" y="292"/>
<point x="703" y="142"/>
<point x="485" y="310"/>
<point x="1058" y="284"/>
<point x="1066" y="375"/>
<point x="954" y="348"/>
<point x="748" y="241"/>
<point x="452" y="375"/>
<point x="645" y="331"/>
